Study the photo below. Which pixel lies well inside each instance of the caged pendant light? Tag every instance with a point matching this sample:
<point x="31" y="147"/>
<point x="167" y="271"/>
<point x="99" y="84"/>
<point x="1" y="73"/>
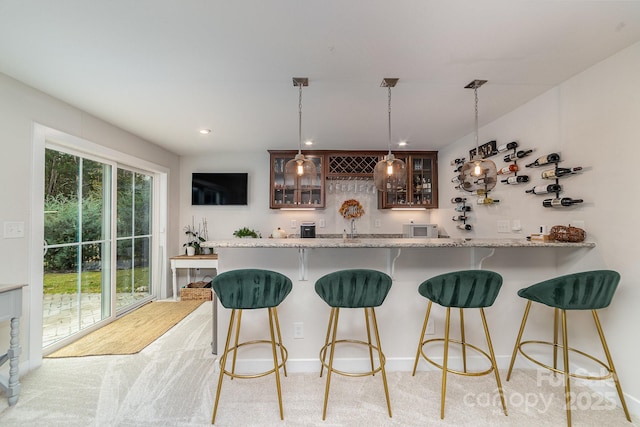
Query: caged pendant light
<point x="300" y="172"/>
<point x="477" y="167"/>
<point x="390" y="173"/>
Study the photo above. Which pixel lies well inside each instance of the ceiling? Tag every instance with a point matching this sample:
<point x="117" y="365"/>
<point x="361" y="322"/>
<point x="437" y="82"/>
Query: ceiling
<point x="165" y="69"/>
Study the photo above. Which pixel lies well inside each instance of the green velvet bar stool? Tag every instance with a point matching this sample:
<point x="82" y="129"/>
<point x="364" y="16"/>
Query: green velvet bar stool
<point x="251" y="289"/>
<point x="589" y="290"/>
<point x="461" y="289"/>
<point x="354" y="288"/>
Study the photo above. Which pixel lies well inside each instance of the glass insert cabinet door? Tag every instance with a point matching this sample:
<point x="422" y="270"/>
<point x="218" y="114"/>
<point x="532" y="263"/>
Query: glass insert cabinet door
<point x="421" y="189"/>
<point x="300" y="193"/>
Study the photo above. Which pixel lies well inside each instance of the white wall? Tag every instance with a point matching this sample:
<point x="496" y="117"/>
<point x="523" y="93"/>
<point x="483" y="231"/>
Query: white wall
<point x="21" y="107"/>
<point x="224" y="220"/>
<point x="592" y="120"/>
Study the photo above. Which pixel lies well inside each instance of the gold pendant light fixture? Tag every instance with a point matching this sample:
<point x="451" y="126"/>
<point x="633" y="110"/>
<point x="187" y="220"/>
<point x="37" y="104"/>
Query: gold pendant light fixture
<point x="390" y="173"/>
<point x="300" y="172"/>
<point x="478" y="173"/>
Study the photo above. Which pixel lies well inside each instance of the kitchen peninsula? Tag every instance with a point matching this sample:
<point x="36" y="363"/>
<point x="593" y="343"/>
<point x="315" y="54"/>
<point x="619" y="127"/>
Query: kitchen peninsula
<point x="409" y="262"/>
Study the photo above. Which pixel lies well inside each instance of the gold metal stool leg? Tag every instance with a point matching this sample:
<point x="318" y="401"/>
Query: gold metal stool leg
<point x="275" y="316"/>
<point x="519" y="339"/>
<point x="493" y="359"/>
<point x="272" y="315"/>
<point x="444" y="362"/>
<point x="555" y="339"/>
<point x="366" y="320"/>
<point x="330" y="368"/>
<point x="323" y="355"/>
<point x="612" y="368"/>
<point x="222" y="365"/>
<point x="463" y="342"/>
<point x="235" y="352"/>
<point x="565" y="353"/>
<point x="424" y="329"/>
<point x="381" y="359"/>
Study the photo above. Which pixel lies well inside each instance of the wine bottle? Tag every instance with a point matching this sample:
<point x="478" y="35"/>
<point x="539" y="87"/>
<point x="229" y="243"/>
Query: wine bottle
<point x="466" y="186"/>
<point x="478" y="192"/>
<point x="486" y="200"/>
<point x="458" y="169"/>
<point x="459" y="218"/>
<point x="517" y="155"/>
<point x="558" y="172"/>
<point x="458" y="199"/>
<point x="509" y="146"/>
<point x="545" y="160"/>
<point x="560" y="202"/>
<point x="462" y="208"/>
<point x="516" y="179"/>
<point x="481" y="181"/>
<point x="466" y="227"/>
<point x="543" y="189"/>
<point x="508" y="169"/>
<point x="457" y="161"/>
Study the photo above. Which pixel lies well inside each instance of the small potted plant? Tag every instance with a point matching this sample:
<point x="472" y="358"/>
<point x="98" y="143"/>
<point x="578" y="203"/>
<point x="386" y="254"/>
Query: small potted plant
<point x="193" y="240"/>
<point x="246" y="232"/>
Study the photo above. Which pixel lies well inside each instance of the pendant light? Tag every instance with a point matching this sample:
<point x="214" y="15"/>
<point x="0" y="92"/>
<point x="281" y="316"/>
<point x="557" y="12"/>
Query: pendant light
<point x="300" y="172"/>
<point x="477" y="167"/>
<point x="390" y="173"/>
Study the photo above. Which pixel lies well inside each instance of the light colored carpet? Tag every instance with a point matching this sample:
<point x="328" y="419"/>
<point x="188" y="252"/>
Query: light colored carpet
<point x="132" y="332"/>
<point x="172" y="383"/>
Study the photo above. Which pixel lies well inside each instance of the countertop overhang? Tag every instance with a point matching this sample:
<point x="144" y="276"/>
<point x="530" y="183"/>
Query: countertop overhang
<point x="388" y="243"/>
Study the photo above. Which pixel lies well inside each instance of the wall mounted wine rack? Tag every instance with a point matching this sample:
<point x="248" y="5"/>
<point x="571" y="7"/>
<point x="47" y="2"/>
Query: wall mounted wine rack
<point x="556" y="173"/>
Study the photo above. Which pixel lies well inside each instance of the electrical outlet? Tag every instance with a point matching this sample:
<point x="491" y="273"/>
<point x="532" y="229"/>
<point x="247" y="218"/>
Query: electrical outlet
<point x="322" y="223"/>
<point x="431" y="328"/>
<point x="294" y="223"/>
<point x="298" y="330"/>
<point x="377" y="223"/>
<point x="503" y="226"/>
<point x="516" y="225"/>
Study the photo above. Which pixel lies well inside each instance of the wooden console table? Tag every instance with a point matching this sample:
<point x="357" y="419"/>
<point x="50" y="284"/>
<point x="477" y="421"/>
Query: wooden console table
<point x="189" y="262"/>
<point x="11" y="309"/>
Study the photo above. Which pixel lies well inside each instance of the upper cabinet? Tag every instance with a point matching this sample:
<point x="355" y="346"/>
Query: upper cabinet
<point x="421" y="190"/>
<point x="298" y="194"/>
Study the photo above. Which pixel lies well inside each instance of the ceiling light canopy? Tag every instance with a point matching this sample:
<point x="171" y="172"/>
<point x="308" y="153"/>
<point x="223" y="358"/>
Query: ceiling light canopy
<point x="205" y="131"/>
<point x="300" y="172"/>
<point x="390" y="173"/>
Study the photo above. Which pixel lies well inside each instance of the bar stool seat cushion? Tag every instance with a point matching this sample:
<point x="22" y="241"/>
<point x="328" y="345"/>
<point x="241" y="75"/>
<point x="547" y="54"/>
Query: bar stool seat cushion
<point x="463" y="289"/>
<point x="251" y="288"/>
<point x="354" y="288"/>
<point x="590" y="290"/>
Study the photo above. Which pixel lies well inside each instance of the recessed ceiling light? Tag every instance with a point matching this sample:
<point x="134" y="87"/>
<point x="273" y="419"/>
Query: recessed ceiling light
<point x="308" y="143"/>
<point x="403" y="143"/>
<point x="205" y="131"/>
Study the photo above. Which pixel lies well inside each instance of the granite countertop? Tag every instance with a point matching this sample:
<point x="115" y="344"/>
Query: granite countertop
<point x="387" y="242"/>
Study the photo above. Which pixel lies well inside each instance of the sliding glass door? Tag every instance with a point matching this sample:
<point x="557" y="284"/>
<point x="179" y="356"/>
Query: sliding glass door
<point x="98" y="241"/>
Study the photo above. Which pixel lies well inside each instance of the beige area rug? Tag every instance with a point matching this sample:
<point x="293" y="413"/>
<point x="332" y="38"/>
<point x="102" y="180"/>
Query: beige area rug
<point x="132" y="332"/>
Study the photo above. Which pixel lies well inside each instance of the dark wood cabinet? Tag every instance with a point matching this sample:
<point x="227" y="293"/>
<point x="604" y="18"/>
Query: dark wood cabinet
<point x="296" y="194"/>
<point x="421" y="190"/>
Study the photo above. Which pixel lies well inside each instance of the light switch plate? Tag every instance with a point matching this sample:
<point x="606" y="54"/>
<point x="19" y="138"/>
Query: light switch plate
<point x="13" y="229"/>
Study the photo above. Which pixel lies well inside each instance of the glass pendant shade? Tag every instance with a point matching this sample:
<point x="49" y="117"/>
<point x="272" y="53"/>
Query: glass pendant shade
<point x="390" y="174"/>
<point x="478" y="174"/>
<point x="300" y="171"/>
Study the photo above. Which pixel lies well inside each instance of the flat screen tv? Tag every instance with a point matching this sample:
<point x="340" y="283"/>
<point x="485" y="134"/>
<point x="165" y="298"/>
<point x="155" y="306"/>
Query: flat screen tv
<point x="219" y="188"/>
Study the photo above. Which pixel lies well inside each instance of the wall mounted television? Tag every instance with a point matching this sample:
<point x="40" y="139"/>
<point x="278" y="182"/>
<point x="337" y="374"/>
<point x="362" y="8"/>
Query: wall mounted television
<point x="219" y="188"/>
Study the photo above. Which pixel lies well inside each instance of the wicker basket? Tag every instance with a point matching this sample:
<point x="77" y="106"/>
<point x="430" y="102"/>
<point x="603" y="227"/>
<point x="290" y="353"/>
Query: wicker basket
<point x="562" y="233"/>
<point x="187" y="294"/>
